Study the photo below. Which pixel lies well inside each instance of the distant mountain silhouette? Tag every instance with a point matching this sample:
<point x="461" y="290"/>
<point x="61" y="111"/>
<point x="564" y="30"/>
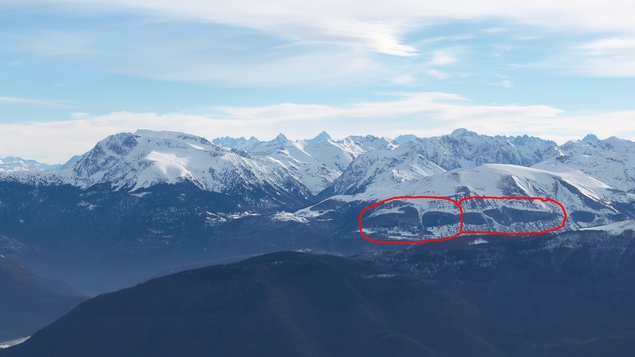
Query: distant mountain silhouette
<point x="28" y="302"/>
<point x="281" y="304"/>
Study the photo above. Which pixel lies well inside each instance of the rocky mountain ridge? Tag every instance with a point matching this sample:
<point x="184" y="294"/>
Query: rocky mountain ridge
<point x="153" y="201"/>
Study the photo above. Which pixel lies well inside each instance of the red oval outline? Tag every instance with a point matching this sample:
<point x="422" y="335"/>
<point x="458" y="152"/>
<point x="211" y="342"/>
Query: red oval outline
<point x="509" y="198"/>
<point x="443" y="239"/>
<point x="461" y="223"/>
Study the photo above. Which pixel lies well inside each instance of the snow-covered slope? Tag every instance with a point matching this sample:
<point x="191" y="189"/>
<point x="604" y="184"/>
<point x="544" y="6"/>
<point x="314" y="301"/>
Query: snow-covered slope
<point x="379" y="169"/>
<point x="465" y="149"/>
<point x="611" y="161"/>
<point x="146" y="158"/>
<point x="316" y="162"/>
<point x="237" y="143"/>
<point x="367" y="169"/>
<point x="588" y="202"/>
<point x="319" y="162"/>
<point x="419" y="158"/>
<point x="614" y="228"/>
<point x="11" y="164"/>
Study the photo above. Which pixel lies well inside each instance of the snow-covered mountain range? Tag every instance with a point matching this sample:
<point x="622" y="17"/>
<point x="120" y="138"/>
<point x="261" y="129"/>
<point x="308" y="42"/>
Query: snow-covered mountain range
<point x="588" y="202"/>
<point x="611" y="161"/>
<point x="148" y="194"/>
<point x="315" y="162"/>
<point x="11" y="164"/>
<point x="587" y="175"/>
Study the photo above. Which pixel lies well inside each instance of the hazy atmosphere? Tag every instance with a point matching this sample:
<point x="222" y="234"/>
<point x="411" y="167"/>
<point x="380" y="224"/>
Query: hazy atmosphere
<point x="317" y="178"/>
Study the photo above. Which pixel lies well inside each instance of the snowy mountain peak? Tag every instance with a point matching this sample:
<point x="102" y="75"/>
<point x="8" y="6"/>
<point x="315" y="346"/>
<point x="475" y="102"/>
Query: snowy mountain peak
<point x="611" y="161"/>
<point x="281" y="139"/>
<point x="15" y="164"/>
<point x="370" y="142"/>
<point x="529" y="141"/>
<point x="239" y="143"/>
<point x="462" y="132"/>
<point x="147" y="158"/>
<point x="320" y="138"/>
<point x="366" y="167"/>
<point x="405" y="138"/>
<point x="590" y="137"/>
<point x="171" y="135"/>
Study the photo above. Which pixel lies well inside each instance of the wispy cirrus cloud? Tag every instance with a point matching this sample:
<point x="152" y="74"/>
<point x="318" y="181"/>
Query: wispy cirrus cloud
<point x="37" y="102"/>
<point x="443" y="57"/>
<point x="377" y="26"/>
<point x="286" y="42"/>
<point x="606" y="57"/>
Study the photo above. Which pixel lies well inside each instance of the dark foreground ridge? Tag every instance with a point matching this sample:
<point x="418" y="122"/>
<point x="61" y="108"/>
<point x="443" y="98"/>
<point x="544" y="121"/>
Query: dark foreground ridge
<point x="28" y="302"/>
<point x="570" y="294"/>
<point x="281" y="304"/>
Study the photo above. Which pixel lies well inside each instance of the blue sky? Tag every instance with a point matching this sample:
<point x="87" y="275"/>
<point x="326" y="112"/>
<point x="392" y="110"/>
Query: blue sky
<point x="73" y="72"/>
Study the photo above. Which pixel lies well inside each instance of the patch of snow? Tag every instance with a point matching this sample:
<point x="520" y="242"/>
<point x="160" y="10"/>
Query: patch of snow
<point x="17" y="341"/>
<point x="241" y="215"/>
<point x="478" y="241"/>
<point x="87" y="205"/>
<point x="380" y="276"/>
<point x="614" y="228"/>
<point x="169" y="164"/>
<point x="289" y="217"/>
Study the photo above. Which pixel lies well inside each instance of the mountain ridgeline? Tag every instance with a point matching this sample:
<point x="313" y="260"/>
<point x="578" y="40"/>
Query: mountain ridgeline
<point x="28" y="302"/>
<point x="147" y="202"/>
<point x="569" y="294"/>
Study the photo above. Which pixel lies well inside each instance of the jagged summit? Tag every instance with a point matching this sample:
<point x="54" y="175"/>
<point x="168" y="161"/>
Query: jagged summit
<point x="237" y="143"/>
<point x="526" y="140"/>
<point x="611" y="161"/>
<point x="282" y="139"/>
<point x="320" y="138"/>
<point x="172" y="135"/>
<point x="590" y="138"/>
<point x="462" y="132"/>
<point x="13" y="164"/>
<point x="147" y="158"/>
<point x="405" y="138"/>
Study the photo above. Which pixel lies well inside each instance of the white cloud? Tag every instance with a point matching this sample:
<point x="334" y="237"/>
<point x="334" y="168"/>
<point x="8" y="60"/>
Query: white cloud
<point x="380" y="25"/>
<point x="49" y="42"/>
<point x="437" y="74"/>
<point x="222" y="55"/>
<point x="330" y="40"/>
<point x="376" y="36"/>
<point x="317" y="66"/>
<point x="502" y="83"/>
<point x="443" y="58"/>
<point x="608" y="57"/>
<point x="495" y="30"/>
<point x="423" y="114"/>
<point x="37" y="102"/>
<point x="611" y="44"/>
<point x="403" y="79"/>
